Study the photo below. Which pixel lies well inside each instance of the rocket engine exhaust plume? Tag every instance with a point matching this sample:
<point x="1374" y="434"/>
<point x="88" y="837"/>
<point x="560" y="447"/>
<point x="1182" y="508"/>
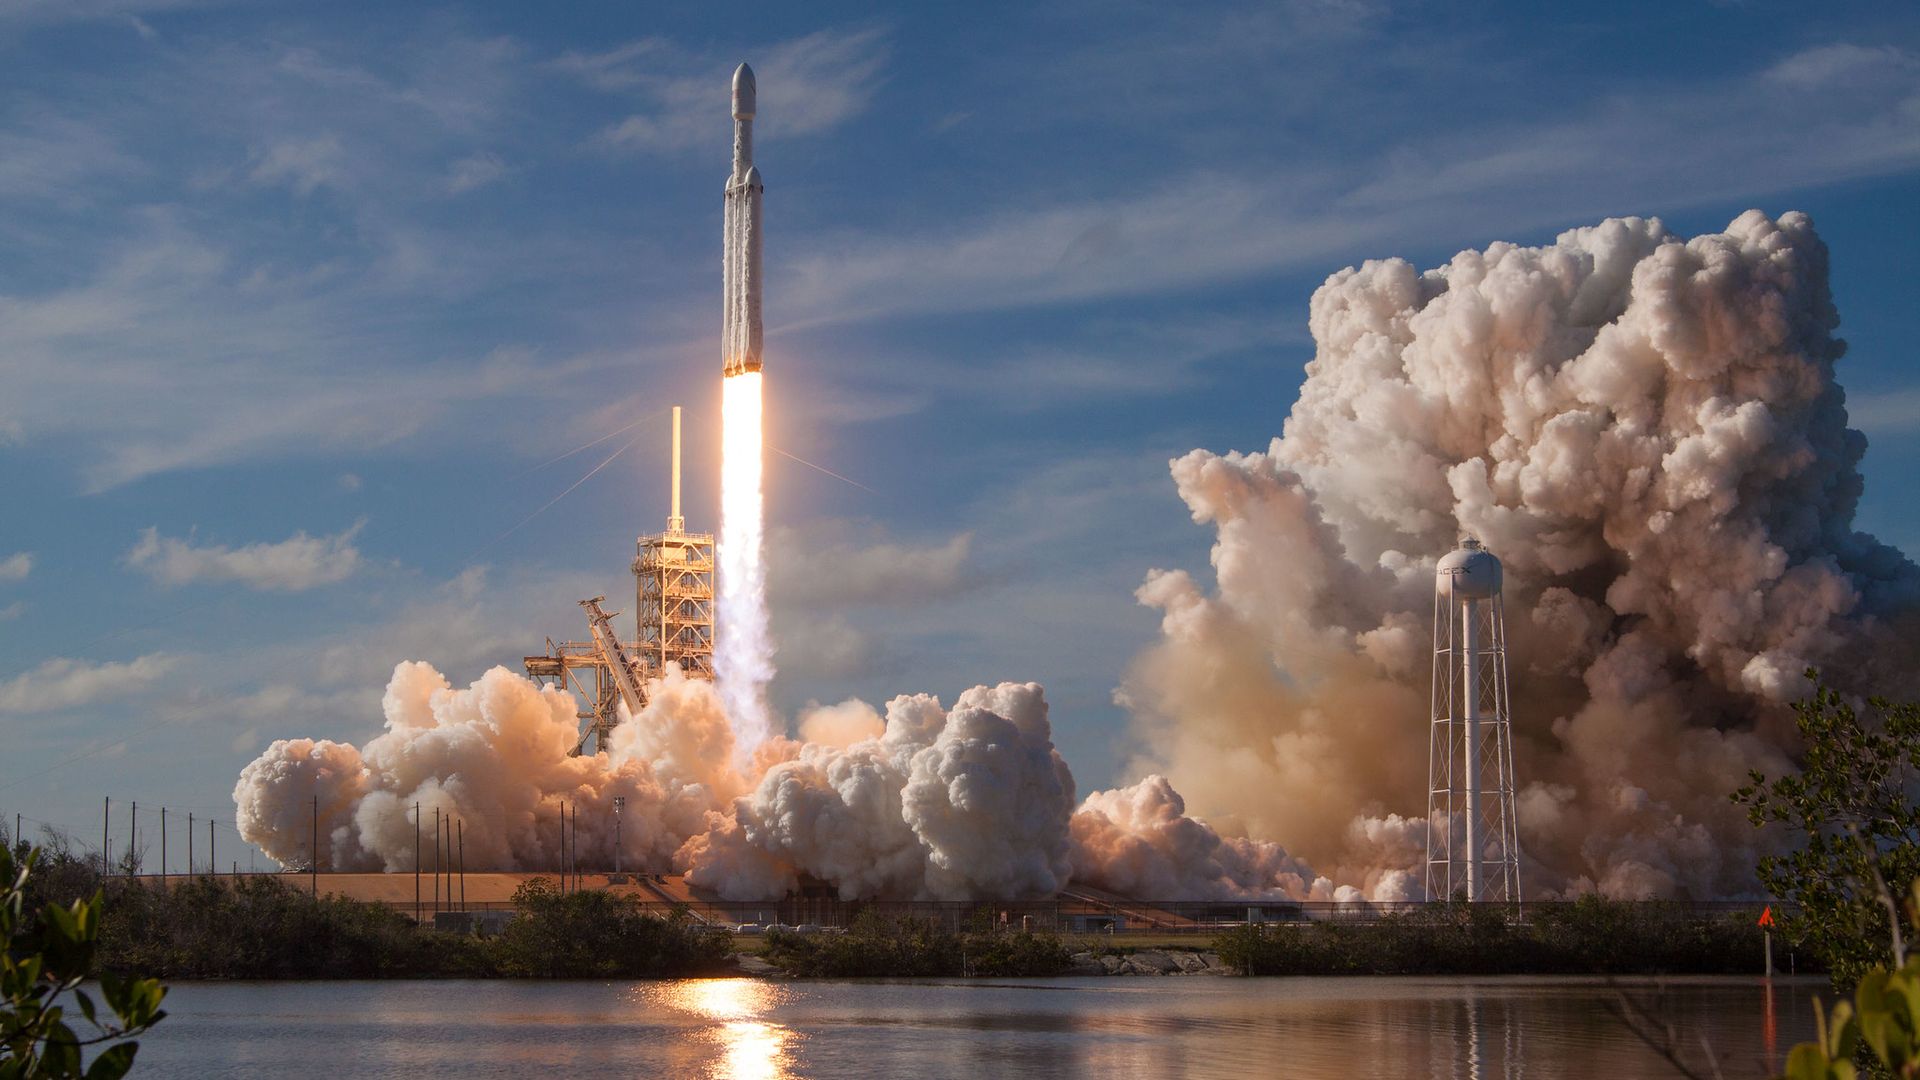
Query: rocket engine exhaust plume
<point x="743" y="647"/>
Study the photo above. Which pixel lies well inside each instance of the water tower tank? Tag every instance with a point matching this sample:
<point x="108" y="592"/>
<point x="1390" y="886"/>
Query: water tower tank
<point x="1471" y="570"/>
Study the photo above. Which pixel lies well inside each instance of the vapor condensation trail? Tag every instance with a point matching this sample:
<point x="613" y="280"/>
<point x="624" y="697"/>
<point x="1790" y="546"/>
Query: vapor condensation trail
<point x="590" y="445"/>
<point x="821" y="468"/>
<point x="628" y="445"/>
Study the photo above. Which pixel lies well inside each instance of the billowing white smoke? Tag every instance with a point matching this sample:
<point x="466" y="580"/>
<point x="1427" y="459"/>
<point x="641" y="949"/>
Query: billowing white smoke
<point x="1648" y="432"/>
<point x="494" y="756"/>
<point x="971" y="802"/>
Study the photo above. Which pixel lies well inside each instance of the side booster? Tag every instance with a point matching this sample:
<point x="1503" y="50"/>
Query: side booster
<point x="740" y="326"/>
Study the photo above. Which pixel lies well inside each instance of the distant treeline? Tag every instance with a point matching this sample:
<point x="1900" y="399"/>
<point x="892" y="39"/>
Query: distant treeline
<point x="262" y="927"/>
<point x="1590" y="936"/>
<point x="259" y="927"/>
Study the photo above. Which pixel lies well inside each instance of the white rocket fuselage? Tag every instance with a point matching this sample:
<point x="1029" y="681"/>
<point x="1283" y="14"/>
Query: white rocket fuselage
<point x="740" y="328"/>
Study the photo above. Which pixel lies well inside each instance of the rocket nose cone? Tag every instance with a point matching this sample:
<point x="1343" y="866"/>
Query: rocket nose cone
<point x="743" y="92"/>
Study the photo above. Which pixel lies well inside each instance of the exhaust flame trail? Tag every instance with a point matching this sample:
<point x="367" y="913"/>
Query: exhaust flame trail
<point x="743" y="649"/>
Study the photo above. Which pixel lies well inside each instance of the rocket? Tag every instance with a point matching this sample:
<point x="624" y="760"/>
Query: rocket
<point x="740" y="266"/>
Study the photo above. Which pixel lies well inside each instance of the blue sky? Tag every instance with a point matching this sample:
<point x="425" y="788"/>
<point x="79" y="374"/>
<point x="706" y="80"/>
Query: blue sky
<point x="299" y="304"/>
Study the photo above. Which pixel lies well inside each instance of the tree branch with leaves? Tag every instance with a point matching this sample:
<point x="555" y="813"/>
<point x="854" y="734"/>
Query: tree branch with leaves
<point x="1852" y="820"/>
<point x="49" y="955"/>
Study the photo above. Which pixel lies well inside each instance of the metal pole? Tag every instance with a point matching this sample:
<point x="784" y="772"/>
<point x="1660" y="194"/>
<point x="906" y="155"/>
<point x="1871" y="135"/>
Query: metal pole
<point x="416" y="862"/>
<point x="133" y="832"/>
<point x="189" y="845"/>
<point x="619" y="804"/>
<point x="213" y="861"/>
<point x="676" y="523"/>
<point x="163" y="846"/>
<point x="106" y="858"/>
<point x="436" y="860"/>
<point x="313" y="855"/>
<point x="1769" y="954"/>
<point x="1470" y="715"/>
<point x="563" y="849"/>
<point x="462" y="832"/>
<point x="573" y="855"/>
<point x="449" y="860"/>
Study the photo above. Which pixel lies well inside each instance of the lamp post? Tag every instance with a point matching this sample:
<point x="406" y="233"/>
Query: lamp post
<point x="619" y="804"/>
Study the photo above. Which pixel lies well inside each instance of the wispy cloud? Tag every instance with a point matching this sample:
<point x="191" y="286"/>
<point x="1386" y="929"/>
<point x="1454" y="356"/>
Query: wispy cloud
<point x="305" y="165"/>
<point x="1893" y="412"/>
<point x="49" y="154"/>
<point x="1690" y="144"/>
<point x="63" y="11"/>
<point x="17" y="566"/>
<point x="825" y="78"/>
<point x="1824" y="64"/>
<point x="295" y="564"/>
<point x="64" y="683"/>
<point x="475" y="171"/>
<point x="834" y="565"/>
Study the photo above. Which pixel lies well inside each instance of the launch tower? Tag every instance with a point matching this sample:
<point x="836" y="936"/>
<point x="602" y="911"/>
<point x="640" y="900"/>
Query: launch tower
<point x="673" y="575"/>
<point x="673" y="624"/>
<point x="1472" y="847"/>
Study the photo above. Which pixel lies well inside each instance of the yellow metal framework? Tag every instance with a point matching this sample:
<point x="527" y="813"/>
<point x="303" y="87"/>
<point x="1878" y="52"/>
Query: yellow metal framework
<point x="673" y="575"/>
<point x="673" y="624"/>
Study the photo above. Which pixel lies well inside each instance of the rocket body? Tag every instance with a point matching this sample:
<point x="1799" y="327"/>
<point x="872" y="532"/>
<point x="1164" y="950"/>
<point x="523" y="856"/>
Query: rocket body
<point x="740" y="325"/>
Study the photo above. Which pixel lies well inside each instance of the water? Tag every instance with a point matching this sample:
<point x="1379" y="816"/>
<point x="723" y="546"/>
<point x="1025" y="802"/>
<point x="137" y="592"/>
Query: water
<point x="1542" y="1028"/>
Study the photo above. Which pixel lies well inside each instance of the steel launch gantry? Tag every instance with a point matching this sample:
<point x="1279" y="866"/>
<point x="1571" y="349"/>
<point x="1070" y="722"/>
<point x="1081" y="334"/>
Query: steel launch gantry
<point x="673" y="624"/>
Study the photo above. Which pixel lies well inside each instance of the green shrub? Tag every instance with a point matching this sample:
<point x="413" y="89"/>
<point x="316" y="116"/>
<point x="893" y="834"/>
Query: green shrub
<point x="594" y="934"/>
<point x="1588" y="936"/>
<point x="878" y="946"/>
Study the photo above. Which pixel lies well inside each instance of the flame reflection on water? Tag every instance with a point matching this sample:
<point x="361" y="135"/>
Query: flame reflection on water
<point x="752" y="1047"/>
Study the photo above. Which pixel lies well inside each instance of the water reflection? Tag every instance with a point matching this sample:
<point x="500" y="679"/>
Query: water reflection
<point x="1115" y="1029"/>
<point x="1475" y="1040"/>
<point x="752" y="1047"/>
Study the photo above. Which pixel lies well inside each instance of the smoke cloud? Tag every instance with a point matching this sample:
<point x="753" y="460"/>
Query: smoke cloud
<point x="925" y="801"/>
<point x="1647" y="430"/>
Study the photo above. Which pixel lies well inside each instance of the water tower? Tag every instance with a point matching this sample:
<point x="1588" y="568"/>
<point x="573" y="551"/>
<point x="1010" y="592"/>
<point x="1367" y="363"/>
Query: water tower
<point x="1472" y="848"/>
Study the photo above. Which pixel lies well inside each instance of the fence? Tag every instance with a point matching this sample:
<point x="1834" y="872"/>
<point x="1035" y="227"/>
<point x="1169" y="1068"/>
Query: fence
<point x="1088" y="915"/>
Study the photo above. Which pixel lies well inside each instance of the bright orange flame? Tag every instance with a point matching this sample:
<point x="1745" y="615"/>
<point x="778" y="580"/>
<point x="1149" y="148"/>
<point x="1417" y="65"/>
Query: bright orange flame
<point x="743" y="650"/>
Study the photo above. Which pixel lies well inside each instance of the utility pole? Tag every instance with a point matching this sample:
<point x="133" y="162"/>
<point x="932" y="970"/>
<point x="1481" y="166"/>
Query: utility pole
<point x="163" y="847"/>
<point x="619" y="804"/>
<point x="463" y="864"/>
<point x="213" y="864"/>
<point x="189" y="847"/>
<point x="449" y="851"/>
<point x="416" y="864"/>
<point x="133" y="833"/>
<point x="106" y="858"/>
<point x="314" y="872"/>
<point x="573" y="853"/>
<point x="563" y="849"/>
<point x="436" y="860"/>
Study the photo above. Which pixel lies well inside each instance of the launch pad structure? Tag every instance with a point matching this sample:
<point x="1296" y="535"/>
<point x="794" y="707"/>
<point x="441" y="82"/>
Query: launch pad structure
<point x="673" y="624"/>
